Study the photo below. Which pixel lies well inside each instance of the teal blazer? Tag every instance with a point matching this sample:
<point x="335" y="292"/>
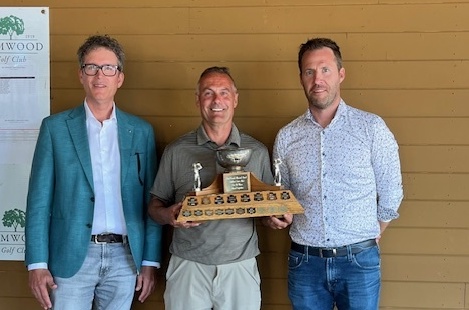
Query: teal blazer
<point x="60" y="203"/>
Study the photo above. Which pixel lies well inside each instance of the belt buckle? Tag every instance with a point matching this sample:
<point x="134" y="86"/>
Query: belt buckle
<point x="334" y="252"/>
<point x="96" y="239"/>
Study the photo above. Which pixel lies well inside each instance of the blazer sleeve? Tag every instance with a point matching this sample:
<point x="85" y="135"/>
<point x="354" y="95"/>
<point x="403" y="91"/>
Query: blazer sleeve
<point x="153" y="231"/>
<point x="39" y="199"/>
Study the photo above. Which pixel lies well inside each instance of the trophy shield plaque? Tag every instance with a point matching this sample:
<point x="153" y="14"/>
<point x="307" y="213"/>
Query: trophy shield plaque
<point x="236" y="193"/>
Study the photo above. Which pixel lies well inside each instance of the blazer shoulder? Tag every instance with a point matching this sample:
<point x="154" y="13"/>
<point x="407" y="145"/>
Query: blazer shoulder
<point x="67" y="114"/>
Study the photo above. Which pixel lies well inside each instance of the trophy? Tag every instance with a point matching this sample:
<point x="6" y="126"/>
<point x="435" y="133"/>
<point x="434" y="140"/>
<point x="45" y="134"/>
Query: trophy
<point x="235" y="179"/>
<point x="236" y="193"/>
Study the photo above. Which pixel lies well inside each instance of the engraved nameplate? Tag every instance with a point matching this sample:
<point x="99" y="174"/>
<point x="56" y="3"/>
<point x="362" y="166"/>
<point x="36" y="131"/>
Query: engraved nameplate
<point x="236" y="182"/>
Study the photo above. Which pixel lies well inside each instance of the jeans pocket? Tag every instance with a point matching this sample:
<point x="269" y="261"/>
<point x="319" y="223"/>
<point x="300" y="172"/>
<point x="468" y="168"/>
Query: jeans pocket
<point x="368" y="258"/>
<point x="295" y="259"/>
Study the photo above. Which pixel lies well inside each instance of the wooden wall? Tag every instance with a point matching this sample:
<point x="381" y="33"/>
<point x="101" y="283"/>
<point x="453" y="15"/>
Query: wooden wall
<point x="406" y="60"/>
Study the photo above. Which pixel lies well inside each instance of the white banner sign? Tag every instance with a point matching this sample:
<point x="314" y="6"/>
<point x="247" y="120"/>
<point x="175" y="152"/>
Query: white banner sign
<point x="24" y="102"/>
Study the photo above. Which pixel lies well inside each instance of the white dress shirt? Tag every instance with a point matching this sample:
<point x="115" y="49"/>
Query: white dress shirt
<point x="105" y="162"/>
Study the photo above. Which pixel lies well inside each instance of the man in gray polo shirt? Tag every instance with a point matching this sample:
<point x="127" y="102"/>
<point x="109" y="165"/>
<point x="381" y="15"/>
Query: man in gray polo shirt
<point x="213" y="264"/>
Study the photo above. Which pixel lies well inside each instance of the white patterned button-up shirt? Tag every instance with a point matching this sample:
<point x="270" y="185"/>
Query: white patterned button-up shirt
<point x="346" y="176"/>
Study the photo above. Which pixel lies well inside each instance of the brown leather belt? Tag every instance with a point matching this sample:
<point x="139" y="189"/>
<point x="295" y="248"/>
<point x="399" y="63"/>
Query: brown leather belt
<point x="108" y="238"/>
<point x="333" y="252"/>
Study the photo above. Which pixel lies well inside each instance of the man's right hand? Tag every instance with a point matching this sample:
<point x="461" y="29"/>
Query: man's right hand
<point x="41" y="282"/>
<point x="167" y="215"/>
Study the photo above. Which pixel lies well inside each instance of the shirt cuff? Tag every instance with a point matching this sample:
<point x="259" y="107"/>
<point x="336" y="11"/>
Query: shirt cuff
<point x="151" y="264"/>
<point x="37" y="266"/>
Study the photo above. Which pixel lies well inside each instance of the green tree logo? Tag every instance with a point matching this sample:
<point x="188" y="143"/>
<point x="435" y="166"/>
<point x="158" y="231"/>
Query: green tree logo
<point x="14" y="218"/>
<point x="11" y="24"/>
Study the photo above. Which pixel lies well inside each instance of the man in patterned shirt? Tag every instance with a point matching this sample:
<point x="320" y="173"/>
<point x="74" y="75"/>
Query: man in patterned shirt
<point x="342" y="164"/>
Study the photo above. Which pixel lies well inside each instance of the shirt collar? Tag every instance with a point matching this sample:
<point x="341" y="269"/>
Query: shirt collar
<point x="234" y="137"/>
<point x="341" y="110"/>
<point x="90" y="116"/>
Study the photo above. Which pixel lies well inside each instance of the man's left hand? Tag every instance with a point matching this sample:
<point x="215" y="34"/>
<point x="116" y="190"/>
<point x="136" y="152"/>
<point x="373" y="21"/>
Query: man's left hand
<point x="145" y="282"/>
<point x="278" y="223"/>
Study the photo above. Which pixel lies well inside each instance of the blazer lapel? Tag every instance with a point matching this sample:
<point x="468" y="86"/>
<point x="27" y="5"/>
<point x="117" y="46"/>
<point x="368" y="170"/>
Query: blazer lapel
<point x="126" y="134"/>
<point x="77" y="128"/>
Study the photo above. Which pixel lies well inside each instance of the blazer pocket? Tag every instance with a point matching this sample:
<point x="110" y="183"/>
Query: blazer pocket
<point x="140" y="166"/>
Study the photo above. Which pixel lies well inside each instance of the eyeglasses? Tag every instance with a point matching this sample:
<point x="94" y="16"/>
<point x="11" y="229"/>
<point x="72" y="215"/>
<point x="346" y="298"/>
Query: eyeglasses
<point x="92" y="69"/>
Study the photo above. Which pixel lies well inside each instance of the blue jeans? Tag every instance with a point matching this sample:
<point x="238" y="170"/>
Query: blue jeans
<point x="350" y="282"/>
<point x="106" y="280"/>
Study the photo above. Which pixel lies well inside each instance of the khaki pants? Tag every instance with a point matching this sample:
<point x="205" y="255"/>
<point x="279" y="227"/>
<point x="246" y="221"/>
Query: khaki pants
<point x="191" y="285"/>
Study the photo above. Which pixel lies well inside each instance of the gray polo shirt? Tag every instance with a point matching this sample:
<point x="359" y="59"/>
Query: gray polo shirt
<point x="213" y="242"/>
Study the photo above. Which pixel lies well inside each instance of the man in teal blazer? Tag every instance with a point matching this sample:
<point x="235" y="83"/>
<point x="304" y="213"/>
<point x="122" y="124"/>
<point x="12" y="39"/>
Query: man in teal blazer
<point x="89" y="241"/>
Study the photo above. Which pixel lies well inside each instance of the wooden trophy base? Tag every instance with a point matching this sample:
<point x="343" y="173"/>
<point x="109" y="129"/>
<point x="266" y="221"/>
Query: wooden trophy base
<point x="211" y="203"/>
